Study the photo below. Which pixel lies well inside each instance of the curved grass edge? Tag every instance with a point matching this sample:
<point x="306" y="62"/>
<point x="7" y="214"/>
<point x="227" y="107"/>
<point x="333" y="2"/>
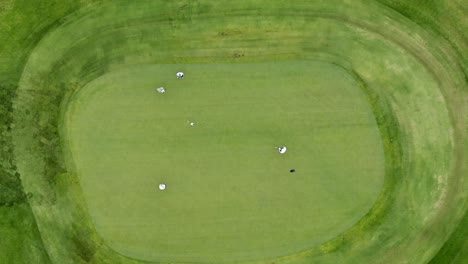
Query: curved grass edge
<point x="23" y="25"/>
<point x="453" y="27"/>
<point x="93" y="247"/>
<point x="389" y="129"/>
<point x="455" y="249"/>
<point x="60" y="176"/>
<point x="53" y="180"/>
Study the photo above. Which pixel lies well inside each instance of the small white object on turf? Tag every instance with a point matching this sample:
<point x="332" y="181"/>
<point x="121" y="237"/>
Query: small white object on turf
<point x="162" y="186"/>
<point x="282" y="150"/>
<point x="180" y="75"/>
<point x="161" y="90"/>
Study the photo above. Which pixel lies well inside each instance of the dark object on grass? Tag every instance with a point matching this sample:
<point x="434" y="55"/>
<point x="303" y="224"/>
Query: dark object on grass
<point x="292" y="171"/>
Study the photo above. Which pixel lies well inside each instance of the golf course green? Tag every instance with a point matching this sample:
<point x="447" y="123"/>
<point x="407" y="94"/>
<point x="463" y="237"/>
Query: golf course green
<point x="229" y="191"/>
<point x="369" y="97"/>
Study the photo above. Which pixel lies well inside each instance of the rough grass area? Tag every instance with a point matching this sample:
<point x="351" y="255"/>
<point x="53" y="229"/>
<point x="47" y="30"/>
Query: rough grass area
<point x="409" y="58"/>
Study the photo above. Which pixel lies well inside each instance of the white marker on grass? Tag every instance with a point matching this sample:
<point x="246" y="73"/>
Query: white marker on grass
<point x="191" y="123"/>
<point x="161" y="90"/>
<point x="162" y="186"/>
<point x="180" y="75"/>
<point x="282" y="150"/>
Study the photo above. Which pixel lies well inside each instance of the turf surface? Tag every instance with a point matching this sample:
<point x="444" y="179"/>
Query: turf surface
<point x="407" y="57"/>
<point x="230" y="194"/>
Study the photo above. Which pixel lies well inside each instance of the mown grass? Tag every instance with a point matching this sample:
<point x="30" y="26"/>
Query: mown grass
<point x="393" y="152"/>
<point x="241" y="110"/>
<point x="455" y="250"/>
<point x="24" y="24"/>
<point x="443" y="18"/>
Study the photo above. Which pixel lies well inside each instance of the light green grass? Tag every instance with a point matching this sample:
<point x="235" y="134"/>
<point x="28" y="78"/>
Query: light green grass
<point x="230" y="193"/>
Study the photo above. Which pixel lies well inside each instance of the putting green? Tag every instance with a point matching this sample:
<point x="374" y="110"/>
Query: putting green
<point x="229" y="194"/>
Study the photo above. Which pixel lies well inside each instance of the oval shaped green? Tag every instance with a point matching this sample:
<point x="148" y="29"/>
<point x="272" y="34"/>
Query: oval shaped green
<point x="230" y="193"/>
